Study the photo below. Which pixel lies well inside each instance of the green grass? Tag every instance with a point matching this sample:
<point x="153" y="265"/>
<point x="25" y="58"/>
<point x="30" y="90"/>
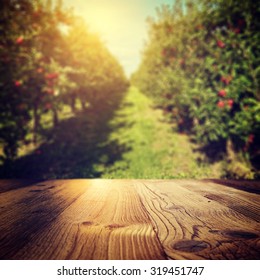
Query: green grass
<point x="133" y="141"/>
<point x="154" y="150"/>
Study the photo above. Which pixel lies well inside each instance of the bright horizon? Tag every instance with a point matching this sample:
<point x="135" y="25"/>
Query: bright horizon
<point x="121" y="25"/>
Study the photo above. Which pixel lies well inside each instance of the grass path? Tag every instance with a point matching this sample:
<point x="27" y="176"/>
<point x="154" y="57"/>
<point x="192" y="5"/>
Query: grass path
<point x="132" y="142"/>
<point x="153" y="150"/>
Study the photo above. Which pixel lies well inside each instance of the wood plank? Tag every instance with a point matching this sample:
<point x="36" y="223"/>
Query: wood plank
<point x="251" y="186"/>
<point x="191" y="227"/>
<point x="26" y="212"/>
<point x="124" y="219"/>
<point x="78" y="219"/>
<point x="7" y="184"/>
<point x="244" y="202"/>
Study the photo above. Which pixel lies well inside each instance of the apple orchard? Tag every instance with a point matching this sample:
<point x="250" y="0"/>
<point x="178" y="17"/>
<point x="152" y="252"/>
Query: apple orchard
<point x="49" y="58"/>
<point x="201" y="66"/>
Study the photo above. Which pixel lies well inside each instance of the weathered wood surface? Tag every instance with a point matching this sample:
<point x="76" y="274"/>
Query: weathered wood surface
<point x="129" y="219"/>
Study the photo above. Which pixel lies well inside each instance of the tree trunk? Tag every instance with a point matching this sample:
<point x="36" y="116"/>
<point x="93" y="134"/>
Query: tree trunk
<point x="55" y="117"/>
<point x="231" y="155"/>
<point x="36" y="123"/>
<point x="73" y="104"/>
<point x="83" y="104"/>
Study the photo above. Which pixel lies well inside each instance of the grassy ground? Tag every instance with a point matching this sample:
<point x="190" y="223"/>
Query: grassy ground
<point x="132" y="141"/>
<point x="153" y="149"/>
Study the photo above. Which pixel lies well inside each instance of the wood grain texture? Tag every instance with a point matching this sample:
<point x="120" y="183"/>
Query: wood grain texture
<point x="6" y="185"/>
<point x="79" y="219"/>
<point x="129" y="219"/>
<point x="192" y="225"/>
<point x="244" y="202"/>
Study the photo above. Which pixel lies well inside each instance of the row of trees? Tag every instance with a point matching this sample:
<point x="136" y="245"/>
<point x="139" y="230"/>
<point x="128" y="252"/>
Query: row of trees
<point x="49" y="58"/>
<point x="201" y="65"/>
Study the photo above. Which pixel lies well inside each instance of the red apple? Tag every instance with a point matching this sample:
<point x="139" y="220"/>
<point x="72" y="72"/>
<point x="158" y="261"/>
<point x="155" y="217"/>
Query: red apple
<point x="182" y="61"/>
<point x="17" y="83"/>
<point x="250" y="138"/>
<point x="49" y="91"/>
<point x="221" y="104"/>
<point x="226" y="80"/>
<point x="221" y="44"/>
<point x="230" y="103"/>
<point x="51" y="76"/>
<point x="236" y="30"/>
<point x="223" y="80"/>
<point x="48" y="106"/>
<point x="222" y="93"/>
<point x="19" y="40"/>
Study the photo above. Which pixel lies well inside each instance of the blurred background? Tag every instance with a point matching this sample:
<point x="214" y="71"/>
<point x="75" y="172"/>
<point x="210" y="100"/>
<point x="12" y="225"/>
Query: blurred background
<point x="129" y="89"/>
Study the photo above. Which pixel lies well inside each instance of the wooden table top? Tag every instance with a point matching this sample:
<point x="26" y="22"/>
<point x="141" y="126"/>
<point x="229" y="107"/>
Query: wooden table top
<point x="129" y="219"/>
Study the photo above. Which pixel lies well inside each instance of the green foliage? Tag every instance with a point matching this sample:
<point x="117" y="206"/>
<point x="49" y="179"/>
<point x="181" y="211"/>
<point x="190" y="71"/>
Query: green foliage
<point x="96" y="86"/>
<point x="151" y="150"/>
<point x="201" y="65"/>
<point x="47" y="59"/>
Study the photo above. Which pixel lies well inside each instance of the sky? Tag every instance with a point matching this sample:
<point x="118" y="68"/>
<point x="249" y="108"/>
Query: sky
<point x="121" y="25"/>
